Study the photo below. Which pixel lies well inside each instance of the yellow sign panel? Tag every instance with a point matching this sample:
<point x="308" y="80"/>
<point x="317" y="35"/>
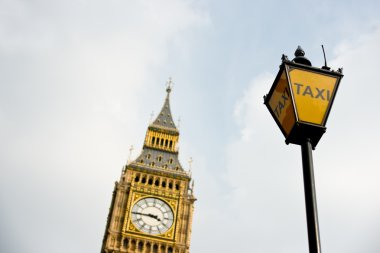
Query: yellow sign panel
<point x="312" y="94"/>
<point x="280" y="103"/>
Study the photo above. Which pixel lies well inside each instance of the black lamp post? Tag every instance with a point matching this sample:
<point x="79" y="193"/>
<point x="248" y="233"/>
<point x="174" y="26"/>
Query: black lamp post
<point x="300" y="100"/>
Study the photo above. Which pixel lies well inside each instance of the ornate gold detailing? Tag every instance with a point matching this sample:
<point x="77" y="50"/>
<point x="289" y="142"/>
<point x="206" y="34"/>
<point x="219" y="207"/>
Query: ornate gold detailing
<point x="137" y="196"/>
<point x="160" y="140"/>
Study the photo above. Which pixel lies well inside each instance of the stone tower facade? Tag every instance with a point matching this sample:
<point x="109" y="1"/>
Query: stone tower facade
<point x="152" y="203"/>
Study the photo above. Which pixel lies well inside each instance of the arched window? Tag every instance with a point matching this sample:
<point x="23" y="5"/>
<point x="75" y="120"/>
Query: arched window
<point x="170" y="144"/>
<point x="153" y="140"/>
<point x="140" y="246"/>
<point x="125" y="243"/>
<point x="147" y="247"/>
<point x="155" y="248"/>
<point x="162" y="142"/>
<point x="166" y="143"/>
<point x="170" y="185"/>
<point x="150" y="181"/>
<point x="143" y="180"/>
<point x="170" y="250"/>
<point x="137" y="178"/>
<point x="133" y="245"/>
<point x="157" y="182"/>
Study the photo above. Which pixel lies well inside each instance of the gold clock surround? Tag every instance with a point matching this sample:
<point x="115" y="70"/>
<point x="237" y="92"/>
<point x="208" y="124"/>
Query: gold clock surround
<point x="130" y="227"/>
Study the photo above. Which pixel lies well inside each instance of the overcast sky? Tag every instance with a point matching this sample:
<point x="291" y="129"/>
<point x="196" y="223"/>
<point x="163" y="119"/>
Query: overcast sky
<point x="80" y="79"/>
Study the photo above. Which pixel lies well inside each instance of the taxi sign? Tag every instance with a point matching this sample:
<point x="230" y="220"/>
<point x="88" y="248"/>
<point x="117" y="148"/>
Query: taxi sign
<point x="300" y="100"/>
<point x="281" y="105"/>
<point x="312" y="94"/>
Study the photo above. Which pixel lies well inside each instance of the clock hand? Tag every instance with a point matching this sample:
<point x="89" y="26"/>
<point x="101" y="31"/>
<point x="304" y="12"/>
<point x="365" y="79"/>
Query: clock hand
<point x="149" y="215"/>
<point x="154" y="216"/>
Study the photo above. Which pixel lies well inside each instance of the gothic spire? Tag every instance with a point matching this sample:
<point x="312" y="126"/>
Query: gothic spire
<point x="160" y="150"/>
<point x="164" y="118"/>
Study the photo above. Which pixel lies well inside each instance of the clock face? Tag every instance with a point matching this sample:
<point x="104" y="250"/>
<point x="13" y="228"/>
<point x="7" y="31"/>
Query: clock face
<point x="152" y="216"/>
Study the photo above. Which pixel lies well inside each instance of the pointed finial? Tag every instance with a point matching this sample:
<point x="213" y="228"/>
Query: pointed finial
<point x="284" y="58"/>
<point x="190" y="163"/>
<point x="299" y="51"/>
<point x="151" y="117"/>
<point x="300" y="57"/>
<point x="191" y="188"/>
<point x="169" y="85"/>
<point x="179" y="122"/>
<point x="130" y="153"/>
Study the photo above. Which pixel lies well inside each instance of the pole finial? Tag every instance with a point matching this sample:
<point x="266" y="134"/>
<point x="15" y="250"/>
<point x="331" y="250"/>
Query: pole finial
<point x="300" y="57"/>
<point x="299" y="52"/>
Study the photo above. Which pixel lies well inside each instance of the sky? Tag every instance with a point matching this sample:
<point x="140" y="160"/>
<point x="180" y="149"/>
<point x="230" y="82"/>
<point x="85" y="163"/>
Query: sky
<point x="79" y="81"/>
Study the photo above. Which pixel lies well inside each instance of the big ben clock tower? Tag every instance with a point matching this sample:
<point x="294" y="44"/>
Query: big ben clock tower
<point x="152" y="203"/>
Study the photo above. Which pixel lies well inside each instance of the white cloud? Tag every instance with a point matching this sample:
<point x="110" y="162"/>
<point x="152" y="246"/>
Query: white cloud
<point x="250" y="105"/>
